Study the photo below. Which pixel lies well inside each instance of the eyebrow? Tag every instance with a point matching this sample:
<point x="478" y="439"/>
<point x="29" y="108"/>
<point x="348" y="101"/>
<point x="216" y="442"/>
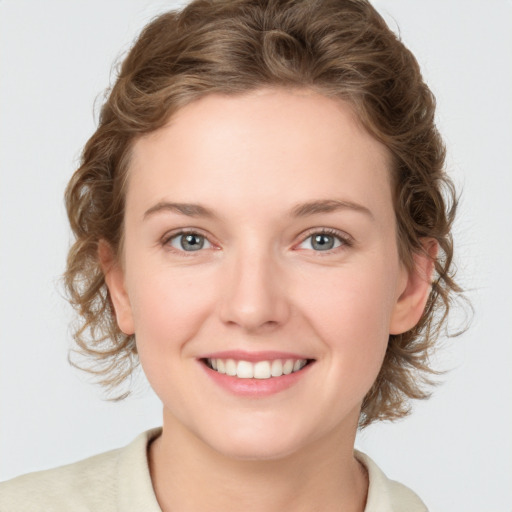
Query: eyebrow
<point x="327" y="206"/>
<point x="188" y="209"/>
<point x="300" y="210"/>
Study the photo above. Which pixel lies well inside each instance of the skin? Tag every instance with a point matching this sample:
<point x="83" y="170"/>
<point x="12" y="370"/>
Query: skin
<point x="259" y="284"/>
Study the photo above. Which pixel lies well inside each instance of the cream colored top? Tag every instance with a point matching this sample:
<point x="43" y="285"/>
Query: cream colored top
<point x="119" y="481"/>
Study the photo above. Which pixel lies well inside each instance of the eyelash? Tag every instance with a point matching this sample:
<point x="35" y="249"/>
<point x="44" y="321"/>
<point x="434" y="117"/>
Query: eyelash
<point x="346" y="240"/>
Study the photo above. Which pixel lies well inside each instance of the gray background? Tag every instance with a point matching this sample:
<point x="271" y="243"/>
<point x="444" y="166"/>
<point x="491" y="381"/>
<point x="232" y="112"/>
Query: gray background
<point x="56" y="59"/>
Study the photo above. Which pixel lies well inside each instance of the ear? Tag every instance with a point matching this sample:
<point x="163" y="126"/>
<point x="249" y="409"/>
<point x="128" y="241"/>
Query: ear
<point x="114" y="278"/>
<point x="416" y="289"/>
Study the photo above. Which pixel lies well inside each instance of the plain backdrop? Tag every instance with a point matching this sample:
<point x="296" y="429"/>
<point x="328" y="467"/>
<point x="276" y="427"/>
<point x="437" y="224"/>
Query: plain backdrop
<point x="56" y="60"/>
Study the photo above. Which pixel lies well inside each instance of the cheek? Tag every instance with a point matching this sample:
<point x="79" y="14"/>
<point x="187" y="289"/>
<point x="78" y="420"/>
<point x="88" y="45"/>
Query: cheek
<point x="357" y="303"/>
<point x="351" y="313"/>
<point x="169" y="309"/>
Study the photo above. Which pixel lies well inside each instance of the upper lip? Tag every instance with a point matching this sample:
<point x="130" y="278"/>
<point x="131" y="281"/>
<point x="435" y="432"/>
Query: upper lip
<point x="242" y="355"/>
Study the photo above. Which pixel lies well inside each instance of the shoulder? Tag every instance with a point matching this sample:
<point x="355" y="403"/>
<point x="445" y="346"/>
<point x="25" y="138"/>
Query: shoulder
<point x="92" y="484"/>
<point x="385" y="495"/>
<point x="83" y="485"/>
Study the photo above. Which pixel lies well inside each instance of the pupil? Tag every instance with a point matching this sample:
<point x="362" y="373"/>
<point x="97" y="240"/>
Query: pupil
<point x="323" y="242"/>
<point x="192" y="242"/>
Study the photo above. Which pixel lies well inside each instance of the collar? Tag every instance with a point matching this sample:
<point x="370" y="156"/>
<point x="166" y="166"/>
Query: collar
<point x="135" y="489"/>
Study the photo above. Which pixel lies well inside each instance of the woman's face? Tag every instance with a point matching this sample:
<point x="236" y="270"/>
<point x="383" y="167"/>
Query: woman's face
<point x="260" y="230"/>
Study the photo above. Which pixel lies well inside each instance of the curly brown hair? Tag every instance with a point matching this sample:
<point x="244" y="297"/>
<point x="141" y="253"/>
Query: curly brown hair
<point x="339" y="48"/>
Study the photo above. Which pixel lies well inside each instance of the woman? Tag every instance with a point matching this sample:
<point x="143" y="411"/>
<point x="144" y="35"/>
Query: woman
<point x="260" y="220"/>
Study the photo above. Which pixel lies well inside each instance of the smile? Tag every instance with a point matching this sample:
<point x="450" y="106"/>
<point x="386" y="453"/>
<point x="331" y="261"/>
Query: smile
<point x="258" y="370"/>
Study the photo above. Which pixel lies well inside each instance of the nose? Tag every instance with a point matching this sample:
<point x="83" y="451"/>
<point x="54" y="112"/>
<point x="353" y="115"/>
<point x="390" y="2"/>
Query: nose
<point x="254" y="296"/>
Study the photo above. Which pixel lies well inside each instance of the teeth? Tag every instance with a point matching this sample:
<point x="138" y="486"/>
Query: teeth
<point x="245" y="370"/>
<point x="277" y="368"/>
<point x="288" y="367"/>
<point x="259" y="370"/>
<point x="221" y="366"/>
<point x="262" y="370"/>
<point x="230" y="367"/>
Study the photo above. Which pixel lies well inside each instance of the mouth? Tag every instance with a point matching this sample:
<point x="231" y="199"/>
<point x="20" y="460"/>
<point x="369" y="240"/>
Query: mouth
<point x="266" y="369"/>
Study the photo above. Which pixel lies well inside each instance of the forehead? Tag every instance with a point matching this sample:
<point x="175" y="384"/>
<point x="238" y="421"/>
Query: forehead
<point x="277" y="146"/>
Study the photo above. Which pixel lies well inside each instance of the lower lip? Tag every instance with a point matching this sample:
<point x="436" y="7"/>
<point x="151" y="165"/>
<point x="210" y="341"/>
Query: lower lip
<point x="255" y="387"/>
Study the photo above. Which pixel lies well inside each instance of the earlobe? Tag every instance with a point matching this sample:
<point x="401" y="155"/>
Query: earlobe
<point x="412" y="300"/>
<point x="115" y="280"/>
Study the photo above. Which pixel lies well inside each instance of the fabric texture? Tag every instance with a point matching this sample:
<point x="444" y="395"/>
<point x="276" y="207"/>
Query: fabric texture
<point x="119" y="481"/>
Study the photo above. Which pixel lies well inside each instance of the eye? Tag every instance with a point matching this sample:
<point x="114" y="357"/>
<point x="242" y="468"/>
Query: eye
<point x="325" y="240"/>
<point x="188" y="242"/>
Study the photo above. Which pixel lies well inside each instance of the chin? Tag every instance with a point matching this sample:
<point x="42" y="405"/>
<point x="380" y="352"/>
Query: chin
<point x="252" y="450"/>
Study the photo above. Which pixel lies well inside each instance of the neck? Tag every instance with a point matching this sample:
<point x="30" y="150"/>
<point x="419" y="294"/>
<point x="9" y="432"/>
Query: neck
<point x="189" y="475"/>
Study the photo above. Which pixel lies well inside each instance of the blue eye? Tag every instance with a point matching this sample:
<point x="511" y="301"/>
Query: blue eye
<point x="319" y="241"/>
<point x="188" y="242"/>
<point x="324" y="241"/>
